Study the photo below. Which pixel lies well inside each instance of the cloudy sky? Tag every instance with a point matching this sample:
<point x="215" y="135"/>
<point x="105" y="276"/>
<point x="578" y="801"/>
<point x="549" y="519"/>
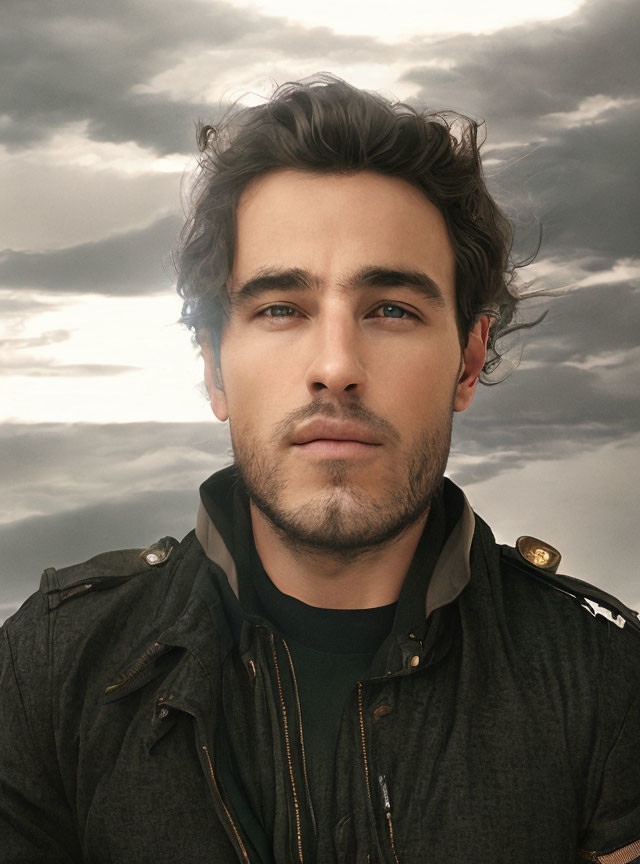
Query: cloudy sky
<point x="105" y="432"/>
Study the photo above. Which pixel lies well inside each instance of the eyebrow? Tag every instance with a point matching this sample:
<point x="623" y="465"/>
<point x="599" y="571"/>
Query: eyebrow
<point x="295" y="279"/>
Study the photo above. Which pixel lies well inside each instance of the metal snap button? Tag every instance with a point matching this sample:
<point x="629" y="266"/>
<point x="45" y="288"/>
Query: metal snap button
<point x="153" y="558"/>
<point x="163" y="713"/>
<point x="155" y="555"/>
<point x="414" y="660"/>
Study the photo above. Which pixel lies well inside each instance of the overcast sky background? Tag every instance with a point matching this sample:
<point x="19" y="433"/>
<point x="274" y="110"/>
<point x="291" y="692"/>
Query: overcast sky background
<point x="105" y="432"/>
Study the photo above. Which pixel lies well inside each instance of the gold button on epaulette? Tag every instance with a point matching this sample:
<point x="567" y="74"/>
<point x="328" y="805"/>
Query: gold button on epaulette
<point x="538" y="553"/>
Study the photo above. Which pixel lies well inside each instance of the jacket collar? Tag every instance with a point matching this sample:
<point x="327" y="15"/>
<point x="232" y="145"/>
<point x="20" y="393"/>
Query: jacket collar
<point x="208" y="615"/>
<point x="450" y="575"/>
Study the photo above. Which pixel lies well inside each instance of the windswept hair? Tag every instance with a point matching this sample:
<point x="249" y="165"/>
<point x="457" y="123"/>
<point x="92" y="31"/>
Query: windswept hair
<point x="324" y="124"/>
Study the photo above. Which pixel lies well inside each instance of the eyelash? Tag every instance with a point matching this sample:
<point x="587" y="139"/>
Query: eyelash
<point x="380" y="306"/>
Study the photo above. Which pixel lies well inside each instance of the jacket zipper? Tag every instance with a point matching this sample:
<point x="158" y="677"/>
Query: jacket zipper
<point x="304" y="758"/>
<point x="285" y="724"/>
<point x="364" y="744"/>
<point x="381" y="779"/>
<point x="218" y="797"/>
<point x="142" y="661"/>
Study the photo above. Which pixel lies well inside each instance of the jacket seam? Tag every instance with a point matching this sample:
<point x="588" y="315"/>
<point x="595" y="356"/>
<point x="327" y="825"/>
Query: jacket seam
<point x="52" y="620"/>
<point x="33" y="740"/>
<point x="196" y="655"/>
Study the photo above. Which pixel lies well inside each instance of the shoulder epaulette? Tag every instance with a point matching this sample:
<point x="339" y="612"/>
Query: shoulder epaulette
<point x="103" y="571"/>
<point x="540" y="561"/>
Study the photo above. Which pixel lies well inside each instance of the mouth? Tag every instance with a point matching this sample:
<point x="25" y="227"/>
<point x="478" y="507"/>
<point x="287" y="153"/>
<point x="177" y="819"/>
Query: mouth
<point x="336" y="448"/>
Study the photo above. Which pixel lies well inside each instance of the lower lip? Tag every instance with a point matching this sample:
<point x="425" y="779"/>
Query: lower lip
<point x="331" y="448"/>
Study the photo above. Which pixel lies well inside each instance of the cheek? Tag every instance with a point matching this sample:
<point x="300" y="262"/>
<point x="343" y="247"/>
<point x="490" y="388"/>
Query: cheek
<point x="254" y="358"/>
<point x="422" y="375"/>
<point x="418" y="409"/>
<point x="256" y="387"/>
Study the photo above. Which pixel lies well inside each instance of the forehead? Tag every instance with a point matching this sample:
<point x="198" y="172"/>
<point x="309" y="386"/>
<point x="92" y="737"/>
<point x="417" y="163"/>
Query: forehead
<point x="332" y="224"/>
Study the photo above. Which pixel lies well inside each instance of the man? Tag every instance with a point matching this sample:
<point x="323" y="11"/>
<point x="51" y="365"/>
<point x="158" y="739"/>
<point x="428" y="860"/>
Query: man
<point x="340" y="663"/>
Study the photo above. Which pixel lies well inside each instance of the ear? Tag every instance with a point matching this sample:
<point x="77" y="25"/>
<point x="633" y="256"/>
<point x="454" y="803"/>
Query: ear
<point x="473" y="359"/>
<point x="213" y="378"/>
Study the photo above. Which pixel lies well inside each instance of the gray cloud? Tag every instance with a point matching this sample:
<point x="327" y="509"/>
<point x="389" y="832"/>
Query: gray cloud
<point x="523" y="80"/>
<point x="50" y="204"/>
<point x="578" y="186"/>
<point x="90" y="64"/>
<point x="87" y="64"/>
<point x="549" y="413"/>
<point x="48" y="369"/>
<point x="132" y="263"/>
<point x="51" y="337"/>
<point x="16" y="359"/>
<point x="19" y="305"/>
<point x="585" y="323"/>
<point x="571" y="174"/>
<point x="517" y="76"/>
<point x="571" y="392"/>
<point x="83" y="64"/>
<point x="51" y="466"/>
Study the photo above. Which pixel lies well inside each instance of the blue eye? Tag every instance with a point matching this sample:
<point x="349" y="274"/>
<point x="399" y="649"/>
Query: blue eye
<point x="390" y="310"/>
<point x="278" y="311"/>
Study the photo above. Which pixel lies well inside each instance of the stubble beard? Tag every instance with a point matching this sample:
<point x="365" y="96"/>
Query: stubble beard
<point x="343" y="520"/>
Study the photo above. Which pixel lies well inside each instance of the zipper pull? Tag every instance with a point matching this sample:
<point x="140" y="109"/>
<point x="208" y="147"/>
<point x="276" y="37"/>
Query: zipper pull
<point x="385" y="793"/>
<point x="387" y="812"/>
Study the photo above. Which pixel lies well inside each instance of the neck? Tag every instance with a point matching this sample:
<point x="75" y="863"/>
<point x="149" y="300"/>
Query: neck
<point x="364" y="579"/>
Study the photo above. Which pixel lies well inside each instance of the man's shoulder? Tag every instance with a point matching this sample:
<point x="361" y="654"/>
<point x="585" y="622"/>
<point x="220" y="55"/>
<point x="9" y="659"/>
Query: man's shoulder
<point x="566" y="624"/>
<point x="74" y="636"/>
<point x="103" y="594"/>
<point x="536" y="562"/>
<point x="106" y="571"/>
<point x="86" y="621"/>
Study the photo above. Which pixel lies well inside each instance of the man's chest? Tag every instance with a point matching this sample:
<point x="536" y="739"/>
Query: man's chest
<point x="453" y="762"/>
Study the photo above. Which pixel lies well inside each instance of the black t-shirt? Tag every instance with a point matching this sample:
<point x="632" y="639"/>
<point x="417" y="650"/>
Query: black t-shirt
<point x="332" y="649"/>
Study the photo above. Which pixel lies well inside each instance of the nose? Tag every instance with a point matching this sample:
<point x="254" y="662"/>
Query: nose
<point x="335" y="355"/>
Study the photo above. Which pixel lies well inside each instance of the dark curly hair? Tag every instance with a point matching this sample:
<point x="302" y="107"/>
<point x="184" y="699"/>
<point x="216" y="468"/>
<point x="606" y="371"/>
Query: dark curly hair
<point x="322" y="123"/>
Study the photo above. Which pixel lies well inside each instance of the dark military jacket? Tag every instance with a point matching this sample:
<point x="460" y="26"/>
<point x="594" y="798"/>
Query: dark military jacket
<point x="500" y="723"/>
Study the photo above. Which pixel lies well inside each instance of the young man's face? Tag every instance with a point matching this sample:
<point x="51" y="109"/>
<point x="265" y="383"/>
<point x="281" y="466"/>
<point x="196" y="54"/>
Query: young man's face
<point x="339" y="385"/>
